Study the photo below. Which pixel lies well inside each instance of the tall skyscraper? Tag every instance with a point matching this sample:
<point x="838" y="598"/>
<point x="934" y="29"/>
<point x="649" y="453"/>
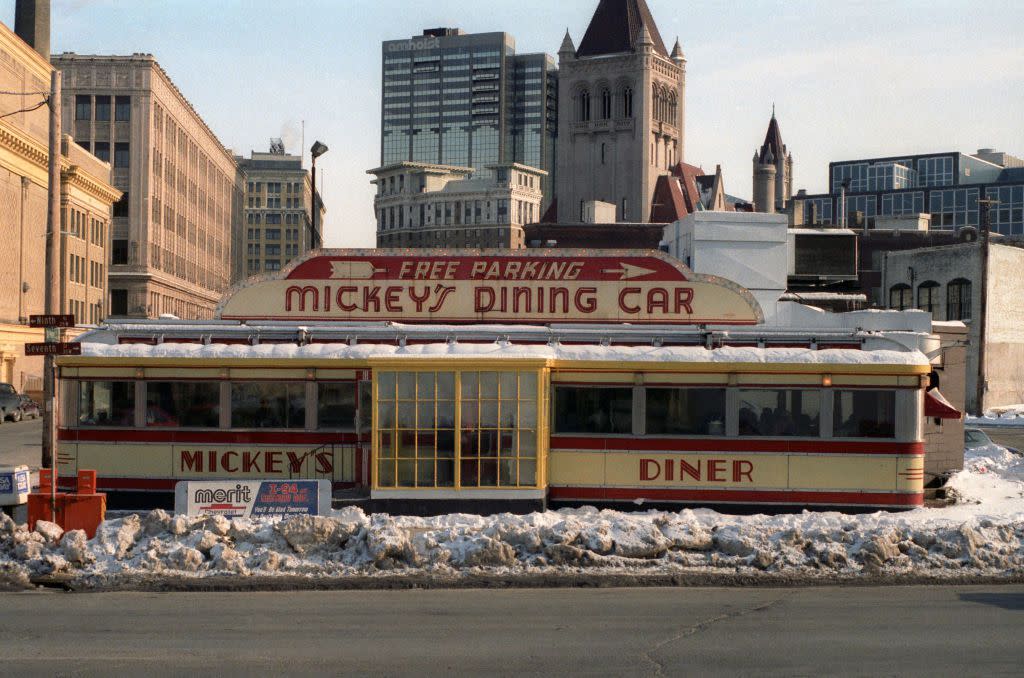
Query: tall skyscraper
<point x="182" y="192"/>
<point x="278" y="212"/>
<point x="467" y="100"/>
<point x="623" y="111"/>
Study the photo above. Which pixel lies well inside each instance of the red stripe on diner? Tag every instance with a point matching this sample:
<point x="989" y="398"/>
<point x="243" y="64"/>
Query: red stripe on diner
<point x="736" y="496"/>
<point x="822" y="446"/>
<point x="132" y="435"/>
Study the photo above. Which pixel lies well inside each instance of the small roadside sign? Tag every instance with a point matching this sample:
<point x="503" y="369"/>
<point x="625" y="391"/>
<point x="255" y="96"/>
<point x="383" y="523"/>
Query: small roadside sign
<point x="54" y="348"/>
<point x="51" y="321"/>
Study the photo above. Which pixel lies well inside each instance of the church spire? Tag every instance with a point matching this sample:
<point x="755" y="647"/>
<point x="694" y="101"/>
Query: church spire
<point x="567" y="48"/>
<point x="617" y="26"/>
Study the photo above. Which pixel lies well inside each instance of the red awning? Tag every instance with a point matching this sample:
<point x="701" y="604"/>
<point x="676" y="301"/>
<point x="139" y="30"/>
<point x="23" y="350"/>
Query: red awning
<point x="936" y="405"/>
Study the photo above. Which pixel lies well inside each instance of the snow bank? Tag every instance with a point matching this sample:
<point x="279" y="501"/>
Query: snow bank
<point x="982" y="535"/>
<point x="1009" y="415"/>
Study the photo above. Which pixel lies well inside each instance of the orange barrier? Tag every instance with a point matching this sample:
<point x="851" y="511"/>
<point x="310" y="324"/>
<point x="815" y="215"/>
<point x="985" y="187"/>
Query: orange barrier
<point x="81" y="510"/>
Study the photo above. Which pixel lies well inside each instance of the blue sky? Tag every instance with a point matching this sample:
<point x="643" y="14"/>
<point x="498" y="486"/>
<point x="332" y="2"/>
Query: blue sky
<point x="849" y="79"/>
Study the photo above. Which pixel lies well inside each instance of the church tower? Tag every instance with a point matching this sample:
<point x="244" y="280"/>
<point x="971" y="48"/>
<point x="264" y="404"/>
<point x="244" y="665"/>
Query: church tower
<point x="621" y="112"/>
<point x="773" y="171"/>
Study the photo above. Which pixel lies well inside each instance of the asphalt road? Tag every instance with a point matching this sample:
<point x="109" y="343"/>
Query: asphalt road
<point x="1014" y="437"/>
<point x="21" y="443"/>
<point x="933" y="631"/>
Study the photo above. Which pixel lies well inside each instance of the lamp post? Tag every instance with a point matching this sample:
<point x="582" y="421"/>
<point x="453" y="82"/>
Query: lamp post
<point x="315" y="152"/>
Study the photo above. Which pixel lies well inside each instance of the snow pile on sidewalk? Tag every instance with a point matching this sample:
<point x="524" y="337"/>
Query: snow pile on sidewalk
<point x="982" y="535"/>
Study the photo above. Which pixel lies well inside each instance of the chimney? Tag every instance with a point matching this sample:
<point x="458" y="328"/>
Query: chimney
<point x="32" y="24"/>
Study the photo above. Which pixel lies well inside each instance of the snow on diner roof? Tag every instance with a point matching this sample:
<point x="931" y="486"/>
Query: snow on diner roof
<point x="507" y="350"/>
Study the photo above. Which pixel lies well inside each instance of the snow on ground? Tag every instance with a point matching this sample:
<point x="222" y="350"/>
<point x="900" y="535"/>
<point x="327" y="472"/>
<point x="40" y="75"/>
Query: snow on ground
<point x="1008" y="415"/>
<point x="981" y="535"/>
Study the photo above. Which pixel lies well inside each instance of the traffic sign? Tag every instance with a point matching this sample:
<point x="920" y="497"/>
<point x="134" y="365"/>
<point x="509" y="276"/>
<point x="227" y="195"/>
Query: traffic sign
<point x="54" y="348"/>
<point x="51" y="321"/>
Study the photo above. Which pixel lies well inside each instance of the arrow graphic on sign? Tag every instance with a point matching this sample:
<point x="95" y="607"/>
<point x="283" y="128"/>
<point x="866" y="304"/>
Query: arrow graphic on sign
<point x="354" y="270"/>
<point x="629" y="271"/>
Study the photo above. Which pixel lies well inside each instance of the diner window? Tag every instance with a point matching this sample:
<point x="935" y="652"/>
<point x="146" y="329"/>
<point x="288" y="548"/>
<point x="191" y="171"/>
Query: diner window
<point x="958" y="299"/>
<point x="416" y="429"/>
<point x="779" y="412"/>
<point x="106" y="403"/>
<point x="685" y="411"/>
<point x="336" y="405"/>
<point x="268" y="404"/>
<point x="419" y="445"/>
<point x="593" y="409"/>
<point x="901" y="297"/>
<point x="864" y="414"/>
<point x="498" y="431"/>
<point x="194" y="404"/>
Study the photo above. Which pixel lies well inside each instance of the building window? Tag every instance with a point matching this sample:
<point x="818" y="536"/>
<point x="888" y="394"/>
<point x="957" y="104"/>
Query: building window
<point x="606" y="104"/>
<point x="83" y="107"/>
<point x="336" y="405"/>
<point x="583" y="112"/>
<point x="103" y="108"/>
<point x="268" y="405"/>
<point x="593" y="410"/>
<point x="627" y="102"/>
<point x="119" y="299"/>
<point x="900" y="297"/>
<point x="958" y="299"/>
<point x="121" y="154"/>
<point x="685" y="411"/>
<point x="603" y="153"/>
<point x="779" y="412"/>
<point x="118" y="255"/>
<point x="122" y="108"/>
<point x="101" y="149"/>
<point x="121" y="206"/>
<point x="193" y="404"/>
<point x="928" y="297"/>
<point x="864" y="414"/>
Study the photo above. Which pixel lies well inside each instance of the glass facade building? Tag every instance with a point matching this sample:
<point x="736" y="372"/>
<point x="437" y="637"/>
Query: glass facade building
<point x="467" y="100"/>
<point x="947" y="186"/>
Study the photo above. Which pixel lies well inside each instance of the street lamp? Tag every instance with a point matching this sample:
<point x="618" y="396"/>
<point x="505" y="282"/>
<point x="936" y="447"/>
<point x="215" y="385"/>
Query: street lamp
<point x="315" y="152"/>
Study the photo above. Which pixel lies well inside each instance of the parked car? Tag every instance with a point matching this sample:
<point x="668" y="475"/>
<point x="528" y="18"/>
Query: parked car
<point x="10" y="403"/>
<point x="29" y="408"/>
<point x="976" y="439"/>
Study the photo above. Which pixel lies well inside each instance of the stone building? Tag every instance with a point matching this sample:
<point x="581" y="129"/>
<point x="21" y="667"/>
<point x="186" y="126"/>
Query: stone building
<point x="425" y="205"/>
<point x="773" y="172"/>
<point x="622" y="117"/>
<point x="86" y="197"/>
<point x="947" y="282"/>
<point x="172" y="228"/>
<point x="278" y="213"/>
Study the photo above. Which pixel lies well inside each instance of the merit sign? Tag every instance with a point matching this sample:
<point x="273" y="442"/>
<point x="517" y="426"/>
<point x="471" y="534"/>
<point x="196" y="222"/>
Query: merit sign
<point x="515" y="286"/>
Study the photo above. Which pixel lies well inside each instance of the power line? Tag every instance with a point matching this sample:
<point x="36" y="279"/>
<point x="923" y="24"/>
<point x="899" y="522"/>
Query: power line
<point x="24" y="110"/>
<point x="23" y="93"/>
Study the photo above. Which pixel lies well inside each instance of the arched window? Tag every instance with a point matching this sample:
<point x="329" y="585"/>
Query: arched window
<point x="606" y="104"/>
<point x="656" y="98"/>
<point x="900" y="297"/>
<point x="672" y="107"/>
<point x="584" y="105"/>
<point x="928" y="297"/>
<point x="627" y="102"/>
<point x="958" y="299"/>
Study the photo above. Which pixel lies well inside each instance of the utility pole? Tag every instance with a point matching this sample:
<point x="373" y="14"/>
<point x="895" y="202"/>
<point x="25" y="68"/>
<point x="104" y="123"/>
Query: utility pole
<point x="52" y="298"/>
<point x="984" y="205"/>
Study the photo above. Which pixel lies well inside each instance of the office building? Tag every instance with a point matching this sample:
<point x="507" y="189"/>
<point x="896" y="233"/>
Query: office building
<point x="467" y="100"/>
<point x="945" y="185"/>
<point x="172" y="228"/>
<point x="425" y="205"/>
<point x="86" y="197"/>
<point x="278" y="209"/>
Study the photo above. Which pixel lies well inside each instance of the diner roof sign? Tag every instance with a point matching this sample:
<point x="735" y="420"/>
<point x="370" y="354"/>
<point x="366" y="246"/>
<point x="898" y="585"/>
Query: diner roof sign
<point x="497" y="286"/>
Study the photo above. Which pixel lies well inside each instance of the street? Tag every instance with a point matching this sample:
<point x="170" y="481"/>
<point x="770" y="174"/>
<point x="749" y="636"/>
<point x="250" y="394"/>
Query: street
<point x="933" y="630"/>
<point x="1006" y="435"/>
<point x="21" y="443"/>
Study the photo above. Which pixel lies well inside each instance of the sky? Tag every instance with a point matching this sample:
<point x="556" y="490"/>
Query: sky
<point x="848" y="79"/>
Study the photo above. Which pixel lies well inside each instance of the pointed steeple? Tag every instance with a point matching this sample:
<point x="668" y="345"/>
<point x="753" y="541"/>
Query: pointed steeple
<point x="616" y="27"/>
<point x="644" y="42"/>
<point x="677" y="51"/>
<point x="567" y="48"/>
<point x="773" y="141"/>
